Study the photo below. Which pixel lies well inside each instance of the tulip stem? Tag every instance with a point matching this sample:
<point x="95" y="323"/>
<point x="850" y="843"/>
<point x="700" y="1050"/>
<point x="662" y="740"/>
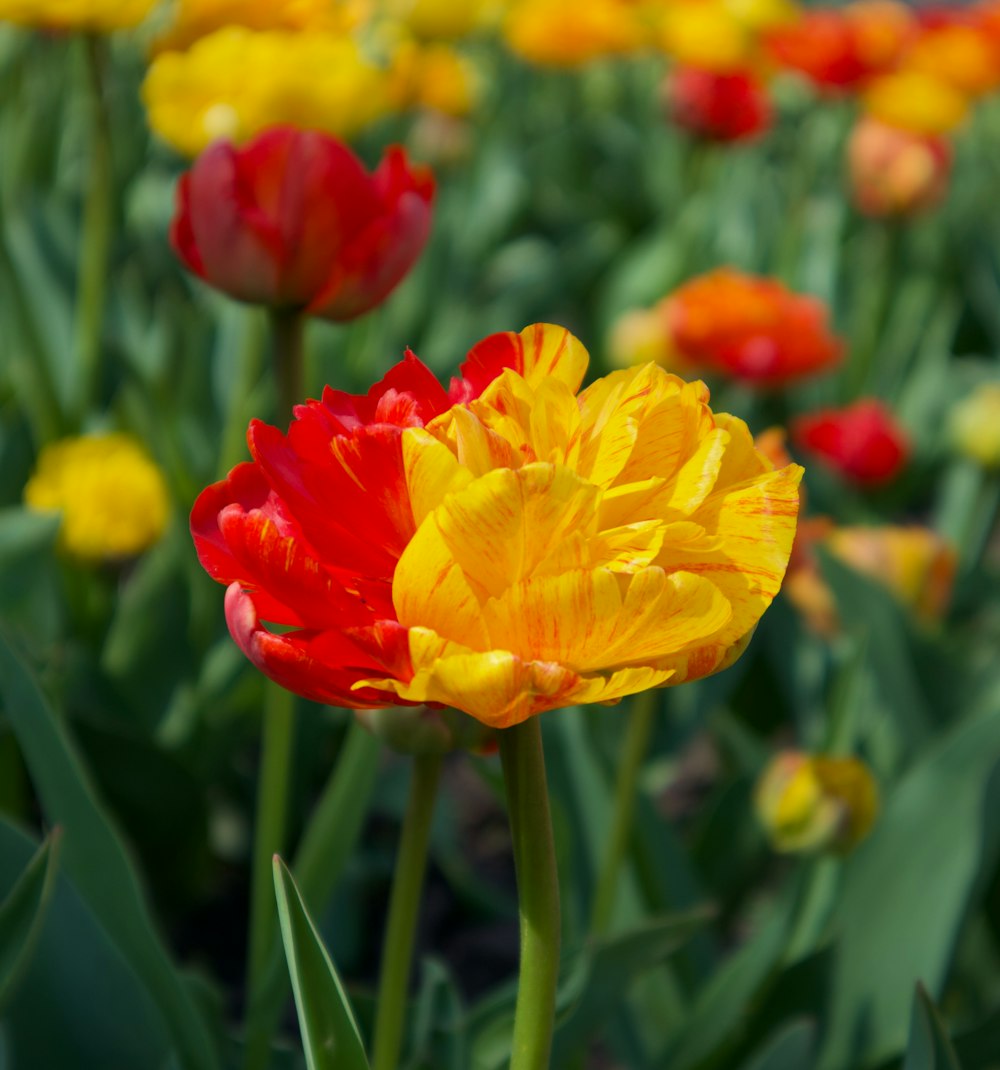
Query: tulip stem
<point x="404" y="905"/>
<point x="634" y="750"/>
<point x="269" y="833"/>
<point x="523" y="763"/>
<point x="288" y="328"/>
<point x="95" y="242"/>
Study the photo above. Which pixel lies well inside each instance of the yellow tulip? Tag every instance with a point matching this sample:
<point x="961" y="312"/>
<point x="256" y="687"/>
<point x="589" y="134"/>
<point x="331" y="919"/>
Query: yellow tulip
<point x="579" y="547"/>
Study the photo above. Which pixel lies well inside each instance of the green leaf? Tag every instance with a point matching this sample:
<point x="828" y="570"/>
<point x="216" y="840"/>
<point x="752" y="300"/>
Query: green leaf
<point x="330" y="1034"/>
<point x="930" y="1046"/>
<point x="23" y="911"/>
<point x="95" y="858"/>
<point x="598" y="979"/>
<point x="793" y="1048"/>
<point x="77" y="1003"/>
<point x="439" y="1034"/>
<point x="906" y="890"/>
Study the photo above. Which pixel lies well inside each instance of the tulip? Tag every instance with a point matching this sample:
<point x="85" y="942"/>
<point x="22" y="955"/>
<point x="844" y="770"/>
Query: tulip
<point x="914" y="563"/>
<point x="749" y="327"/>
<point x="894" y="172"/>
<point x="863" y="442"/>
<point x="732" y="106"/>
<point x="100" y="16"/>
<point x="975" y="425"/>
<point x="812" y="802"/>
<point x="918" y="101"/>
<point x="293" y="220"/>
<point x="111" y="497"/>
<point x="504" y="547"/>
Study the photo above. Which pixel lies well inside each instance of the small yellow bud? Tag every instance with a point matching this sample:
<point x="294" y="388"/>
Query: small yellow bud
<point x="112" y="497"/>
<point x="815" y="803"/>
<point x="975" y="425"/>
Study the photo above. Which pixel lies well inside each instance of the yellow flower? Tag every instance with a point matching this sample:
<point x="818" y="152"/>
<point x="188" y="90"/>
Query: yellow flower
<point x="574" y="548"/>
<point x="198" y="18"/>
<point x="639" y="336"/>
<point x="566" y="33"/>
<point x="810" y="802"/>
<point x="916" y="564"/>
<point x="100" y="15"/>
<point x="706" y="34"/>
<point x="112" y="497"/>
<point x="234" y="83"/>
<point x="916" y="101"/>
<point x="440" y="20"/>
<point x="975" y="425"/>
<point x="435" y="77"/>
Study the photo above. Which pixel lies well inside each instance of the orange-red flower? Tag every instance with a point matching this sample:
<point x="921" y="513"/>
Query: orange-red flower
<point x="894" y="172"/>
<point x="750" y="327"/>
<point x="505" y="547"/>
<point x="731" y="106"/>
<point x="841" y="48"/>
<point x="863" y="442"/>
<point x="293" y="220"/>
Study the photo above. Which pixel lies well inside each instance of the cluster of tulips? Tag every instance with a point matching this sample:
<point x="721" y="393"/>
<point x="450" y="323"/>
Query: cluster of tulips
<point x="453" y="560"/>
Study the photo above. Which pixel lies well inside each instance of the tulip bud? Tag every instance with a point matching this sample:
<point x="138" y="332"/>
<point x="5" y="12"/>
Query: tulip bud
<point x="293" y="220"/>
<point x="112" y="498"/>
<point x="863" y="442"/>
<point x="731" y="106"/>
<point x="815" y="803"/>
<point x="427" y="729"/>
<point x="894" y="172"/>
<point x="975" y="425"/>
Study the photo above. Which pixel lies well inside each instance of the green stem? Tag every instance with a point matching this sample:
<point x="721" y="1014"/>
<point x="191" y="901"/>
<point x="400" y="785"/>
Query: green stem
<point x="96" y="237"/>
<point x="288" y="328"/>
<point x="248" y="366"/>
<point x="523" y="763"/>
<point x="397" y="953"/>
<point x="325" y="847"/>
<point x="634" y="750"/>
<point x="272" y="810"/>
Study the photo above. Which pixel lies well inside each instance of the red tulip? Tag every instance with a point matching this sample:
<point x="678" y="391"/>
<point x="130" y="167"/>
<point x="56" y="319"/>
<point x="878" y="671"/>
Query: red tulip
<point x="720" y="107"/>
<point x="863" y="441"/>
<point x="293" y="220"/>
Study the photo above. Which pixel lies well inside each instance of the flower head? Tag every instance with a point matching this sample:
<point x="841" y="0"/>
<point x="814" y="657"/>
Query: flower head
<point x="917" y="101"/>
<point x="505" y="547"/>
<point x="750" y="327"/>
<point x="841" y="48"/>
<point x="812" y="802"/>
<point x="111" y="497"/>
<point x="732" y="106"/>
<point x="863" y="442"/>
<point x="235" y="82"/>
<point x="293" y="220"/>
<point x="894" y="172"/>
<point x="566" y="33"/>
<point x="975" y="425"/>
<point x="101" y="16"/>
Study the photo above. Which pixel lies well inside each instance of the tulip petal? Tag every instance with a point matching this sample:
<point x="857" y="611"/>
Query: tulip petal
<point x="538" y="352"/>
<point x="322" y="666"/>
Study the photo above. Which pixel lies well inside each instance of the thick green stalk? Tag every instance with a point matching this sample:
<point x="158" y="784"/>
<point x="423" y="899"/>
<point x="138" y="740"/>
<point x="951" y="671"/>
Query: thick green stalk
<point x="538" y="893"/>
<point x="95" y="241"/>
<point x="404" y="905"/>
<point x="634" y="750"/>
<point x="279" y="717"/>
<point x="269" y="833"/>
<point x="288" y="327"/>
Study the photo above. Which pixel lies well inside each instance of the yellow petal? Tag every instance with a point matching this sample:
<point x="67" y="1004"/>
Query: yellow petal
<point x="549" y="351"/>
<point x="432" y="471"/>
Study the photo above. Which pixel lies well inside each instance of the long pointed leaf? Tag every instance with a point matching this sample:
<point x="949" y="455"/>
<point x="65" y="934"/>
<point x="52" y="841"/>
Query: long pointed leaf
<point x="23" y="911"/>
<point x="929" y="1047"/>
<point x="330" y="1034"/>
<point x="95" y="858"/>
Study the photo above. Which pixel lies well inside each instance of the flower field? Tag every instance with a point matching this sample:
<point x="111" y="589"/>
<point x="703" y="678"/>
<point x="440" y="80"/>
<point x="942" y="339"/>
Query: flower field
<point x="498" y="548"/>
